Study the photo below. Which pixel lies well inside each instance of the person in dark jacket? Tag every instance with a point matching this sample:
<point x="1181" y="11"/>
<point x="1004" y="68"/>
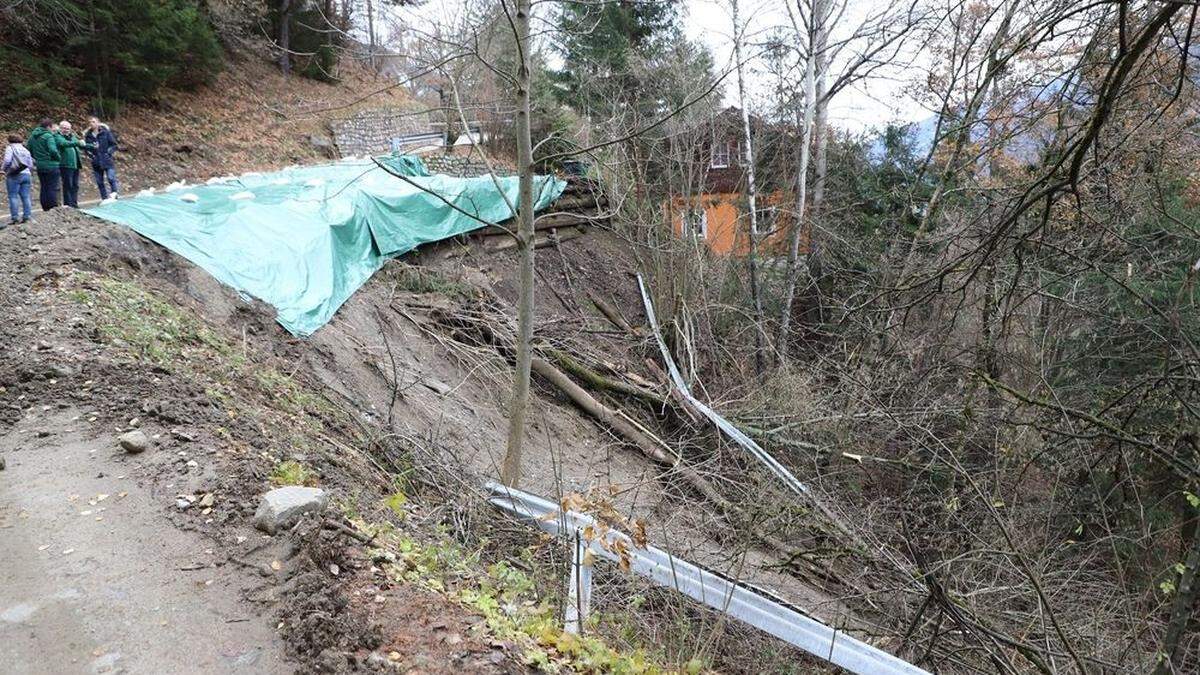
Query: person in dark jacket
<point x="104" y="144"/>
<point x="43" y="146"/>
<point x="68" y="147"/>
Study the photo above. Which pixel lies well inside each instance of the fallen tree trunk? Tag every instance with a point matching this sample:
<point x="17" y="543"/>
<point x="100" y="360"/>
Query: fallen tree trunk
<point x="654" y="448"/>
<point x="650" y="445"/>
<point x="547" y="222"/>
<point x="612" y="314"/>
<point x="598" y="382"/>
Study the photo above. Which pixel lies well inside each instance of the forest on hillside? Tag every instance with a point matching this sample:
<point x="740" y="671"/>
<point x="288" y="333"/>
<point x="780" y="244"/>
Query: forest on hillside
<point x="975" y="338"/>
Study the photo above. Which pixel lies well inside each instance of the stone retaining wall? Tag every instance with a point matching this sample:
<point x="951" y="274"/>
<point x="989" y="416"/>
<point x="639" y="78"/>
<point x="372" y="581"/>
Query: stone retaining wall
<point x="371" y="131"/>
<point x="454" y="165"/>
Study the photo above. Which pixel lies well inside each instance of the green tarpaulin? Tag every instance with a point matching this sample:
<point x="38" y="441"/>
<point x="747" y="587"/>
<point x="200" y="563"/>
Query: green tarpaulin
<point x="304" y="239"/>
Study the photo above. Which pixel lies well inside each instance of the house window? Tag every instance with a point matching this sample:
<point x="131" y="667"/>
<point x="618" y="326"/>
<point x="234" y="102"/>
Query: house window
<point x="695" y="223"/>
<point x="722" y="154"/>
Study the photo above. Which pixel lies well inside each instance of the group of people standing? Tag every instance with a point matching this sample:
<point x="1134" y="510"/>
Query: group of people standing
<point x="53" y="152"/>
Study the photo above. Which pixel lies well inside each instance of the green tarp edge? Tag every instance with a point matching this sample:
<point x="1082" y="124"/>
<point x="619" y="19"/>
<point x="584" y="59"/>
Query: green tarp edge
<point x="305" y="239"/>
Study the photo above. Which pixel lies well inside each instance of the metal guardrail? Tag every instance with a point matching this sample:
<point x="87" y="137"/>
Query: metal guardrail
<point x="735" y="434"/>
<point x="742" y="601"/>
<point x="713" y="416"/>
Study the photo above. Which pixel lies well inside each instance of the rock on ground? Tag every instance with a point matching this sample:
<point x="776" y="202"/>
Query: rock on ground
<point x="282" y="507"/>
<point x="134" y="441"/>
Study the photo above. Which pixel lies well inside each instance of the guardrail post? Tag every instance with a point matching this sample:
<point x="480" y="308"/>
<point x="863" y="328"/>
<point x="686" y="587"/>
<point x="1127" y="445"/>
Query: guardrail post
<point x="579" y="589"/>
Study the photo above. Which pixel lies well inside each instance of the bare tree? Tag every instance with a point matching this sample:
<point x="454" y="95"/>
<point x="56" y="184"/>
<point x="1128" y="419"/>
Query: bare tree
<point x="510" y="473"/>
<point x="751" y="187"/>
<point x="873" y="43"/>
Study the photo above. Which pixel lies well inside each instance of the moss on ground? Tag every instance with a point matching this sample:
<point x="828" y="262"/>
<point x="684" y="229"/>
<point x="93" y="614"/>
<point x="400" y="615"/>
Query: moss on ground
<point x="148" y="327"/>
<point x="291" y="472"/>
<point x="509" y="600"/>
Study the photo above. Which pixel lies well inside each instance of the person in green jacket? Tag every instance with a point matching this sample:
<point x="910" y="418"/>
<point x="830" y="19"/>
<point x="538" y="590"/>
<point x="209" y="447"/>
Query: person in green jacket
<point x="68" y="168"/>
<point x="46" y="158"/>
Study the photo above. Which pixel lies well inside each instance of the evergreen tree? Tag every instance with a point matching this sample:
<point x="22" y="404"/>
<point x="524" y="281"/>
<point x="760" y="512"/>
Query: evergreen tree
<point x="132" y="48"/>
<point x="116" y="50"/>
<point x="602" y="45"/>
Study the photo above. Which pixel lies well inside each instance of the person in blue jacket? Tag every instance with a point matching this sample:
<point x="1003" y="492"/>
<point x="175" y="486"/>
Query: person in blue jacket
<point x="104" y="168"/>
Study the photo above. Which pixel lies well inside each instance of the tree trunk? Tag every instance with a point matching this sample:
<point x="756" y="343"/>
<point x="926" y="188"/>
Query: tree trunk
<point x="820" y="173"/>
<point x="285" y="52"/>
<point x="371" y="34"/>
<point x="797" y="230"/>
<point x="1181" y="612"/>
<point x="751" y="194"/>
<point x="327" y="12"/>
<point x="510" y="472"/>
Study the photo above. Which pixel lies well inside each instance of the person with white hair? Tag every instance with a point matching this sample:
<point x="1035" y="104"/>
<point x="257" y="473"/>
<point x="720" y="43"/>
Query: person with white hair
<point x="68" y="167"/>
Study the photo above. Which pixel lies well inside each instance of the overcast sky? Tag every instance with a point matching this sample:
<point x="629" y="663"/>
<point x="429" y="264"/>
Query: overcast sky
<point x="872" y="104"/>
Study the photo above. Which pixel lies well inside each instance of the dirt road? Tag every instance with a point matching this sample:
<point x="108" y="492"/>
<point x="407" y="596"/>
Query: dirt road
<point x="93" y="577"/>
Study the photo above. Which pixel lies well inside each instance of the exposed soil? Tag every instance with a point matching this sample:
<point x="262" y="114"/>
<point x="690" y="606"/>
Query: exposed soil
<point x="227" y="401"/>
<point x="104" y="571"/>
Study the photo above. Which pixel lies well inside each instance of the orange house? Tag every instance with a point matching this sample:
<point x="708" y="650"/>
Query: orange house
<point x="717" y="212"/>
<point x="721" y="219"/>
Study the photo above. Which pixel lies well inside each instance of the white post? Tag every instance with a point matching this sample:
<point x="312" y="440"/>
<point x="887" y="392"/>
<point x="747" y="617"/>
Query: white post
<point x="579" y="589"/>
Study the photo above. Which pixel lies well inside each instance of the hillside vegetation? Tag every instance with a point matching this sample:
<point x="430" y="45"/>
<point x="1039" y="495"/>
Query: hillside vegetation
<point x="975" y="347"/>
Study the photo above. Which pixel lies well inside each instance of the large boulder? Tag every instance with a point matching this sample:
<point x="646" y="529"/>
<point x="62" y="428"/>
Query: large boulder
<point x="282" y="507"/>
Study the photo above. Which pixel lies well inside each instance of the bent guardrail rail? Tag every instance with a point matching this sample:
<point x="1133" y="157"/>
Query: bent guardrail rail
<point x="732" y="432"/>
<point x="744" y="602"/>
